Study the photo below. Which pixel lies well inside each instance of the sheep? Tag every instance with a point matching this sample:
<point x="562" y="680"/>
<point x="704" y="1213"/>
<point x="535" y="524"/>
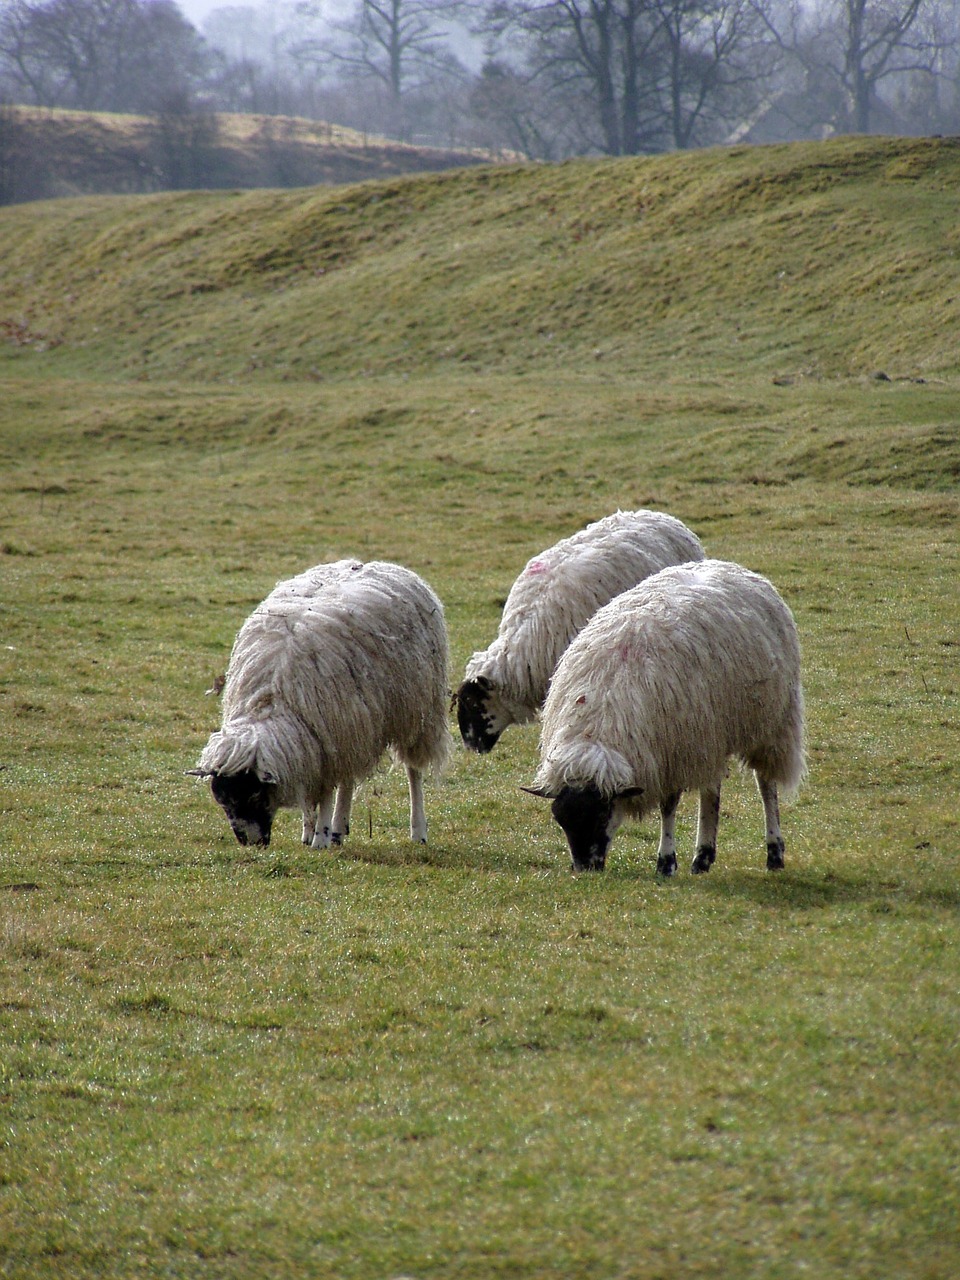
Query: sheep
<point x="698" y="663"/>
<point x="336" y="666"/>
<point x="554" y="596"/>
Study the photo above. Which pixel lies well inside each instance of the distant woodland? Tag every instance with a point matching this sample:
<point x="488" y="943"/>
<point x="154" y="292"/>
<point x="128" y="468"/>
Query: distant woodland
<point x="539" y="79"/>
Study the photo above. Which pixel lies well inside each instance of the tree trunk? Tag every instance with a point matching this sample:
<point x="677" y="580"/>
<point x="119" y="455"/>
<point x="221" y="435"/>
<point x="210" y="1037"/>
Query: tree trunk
<point x="606" y="91"/>
<point x="630" y="106"/>
<point x="855" y="81"/>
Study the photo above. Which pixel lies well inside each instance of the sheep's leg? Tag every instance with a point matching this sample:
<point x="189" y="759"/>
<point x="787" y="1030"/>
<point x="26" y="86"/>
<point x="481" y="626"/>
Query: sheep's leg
<point x="321" y="835"/>
<point x="667" y="852"/>
<point x="771" y="812"/>
<point x="708" y="820"/>
<point x="418" y="817"/>
<point x="341" y="814"/>
<point x="309" y="823"/>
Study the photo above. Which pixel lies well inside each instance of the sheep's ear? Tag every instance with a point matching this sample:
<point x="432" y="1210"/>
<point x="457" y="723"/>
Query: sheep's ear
<point x="631" y="793"/>
<point x="539" y="791"/>
<point x="199" y="773"/>
<point x="268" y="778"/>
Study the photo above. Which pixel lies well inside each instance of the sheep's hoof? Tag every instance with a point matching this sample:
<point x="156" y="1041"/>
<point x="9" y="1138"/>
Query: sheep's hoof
<point x="706" y="857"/>
<point x="775" y="855"/>
<point x="667" y="866"/>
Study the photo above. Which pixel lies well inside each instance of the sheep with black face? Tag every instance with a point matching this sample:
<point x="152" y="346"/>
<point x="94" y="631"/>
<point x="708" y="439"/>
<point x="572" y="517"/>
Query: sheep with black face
<point x="698" y="664"/>
<point x="557" y="592"/>
<point x="335" y="667"/>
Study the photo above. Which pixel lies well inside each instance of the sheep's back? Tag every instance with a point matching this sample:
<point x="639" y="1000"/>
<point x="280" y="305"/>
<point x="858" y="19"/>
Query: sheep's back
<point x="560" y="589"/>
<point x="355" y="652"/>
<point x="696" y="664"/>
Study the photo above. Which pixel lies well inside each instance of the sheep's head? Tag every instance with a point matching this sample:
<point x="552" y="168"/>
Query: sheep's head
<point x="481" y="714"/>
<point x="589" y="819"/>
<point x="249" y="799"/>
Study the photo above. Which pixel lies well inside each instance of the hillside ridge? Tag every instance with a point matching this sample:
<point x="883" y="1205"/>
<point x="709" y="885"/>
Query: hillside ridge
<point x="803" y="260"/>
<point x="52" y="153"/>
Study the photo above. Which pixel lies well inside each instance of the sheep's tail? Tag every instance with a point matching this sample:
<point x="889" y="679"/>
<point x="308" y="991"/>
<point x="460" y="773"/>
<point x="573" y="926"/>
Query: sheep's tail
<point x="431" y="754"/>
<point x="795" y="763"/>
<point x="784" y="762"/>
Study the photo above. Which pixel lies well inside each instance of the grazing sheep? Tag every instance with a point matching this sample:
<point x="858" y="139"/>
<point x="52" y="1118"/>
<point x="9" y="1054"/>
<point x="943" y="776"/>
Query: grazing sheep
<point x="554" y="596"/>
<point x="699" y="663"/>
<point x="335" y="666"/>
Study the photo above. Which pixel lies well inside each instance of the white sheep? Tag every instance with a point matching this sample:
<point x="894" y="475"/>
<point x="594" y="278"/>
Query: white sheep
<point x="554" y="596"/>
<point x="336" y="666"/>
<point x="699" y="663"/>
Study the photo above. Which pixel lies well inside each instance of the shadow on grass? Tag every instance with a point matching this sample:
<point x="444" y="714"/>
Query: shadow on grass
<point x="790" y="889"/>
<point x="793" y="889"/>
<point x="499" y="856"/>
<point x="809" y="889"/>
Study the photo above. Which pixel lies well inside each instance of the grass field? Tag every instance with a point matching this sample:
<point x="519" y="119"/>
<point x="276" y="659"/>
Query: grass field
<point x="460" y="1061"/>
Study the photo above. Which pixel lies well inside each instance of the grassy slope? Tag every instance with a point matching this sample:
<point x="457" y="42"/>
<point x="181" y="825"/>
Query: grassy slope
<point x="461" y="1061"/>
<point x="66" y="153"/>
<point x="795" y="260"/>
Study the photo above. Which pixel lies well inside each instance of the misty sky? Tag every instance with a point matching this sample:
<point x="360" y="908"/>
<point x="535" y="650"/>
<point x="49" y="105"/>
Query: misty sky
<point x="197" y="10"/>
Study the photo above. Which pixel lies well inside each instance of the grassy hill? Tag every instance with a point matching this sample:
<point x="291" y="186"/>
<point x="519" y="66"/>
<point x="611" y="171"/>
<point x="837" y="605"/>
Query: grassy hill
<point x="459" y="1061"/>
<point x="800" y="261"/>
<point x="47" y="153"/>
<point x="799" y="265"/>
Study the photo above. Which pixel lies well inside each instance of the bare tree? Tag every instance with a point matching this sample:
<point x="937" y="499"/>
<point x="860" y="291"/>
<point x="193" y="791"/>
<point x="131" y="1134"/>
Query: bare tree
<point x="849" y="48"/>
<point x="517" y="114"/>
<point x="256" y="69"/>
<point x="185" y="145"/>
<point x="927" y="99"/>
<point x="716" y="65"/>
<point x="106" y="55"/>
<point x="653" y="73"/>
<point x="875" y="42"/>
<point x="390" y="41"/>
<point x="600" y="52"/>
<point x="28" y="71"/>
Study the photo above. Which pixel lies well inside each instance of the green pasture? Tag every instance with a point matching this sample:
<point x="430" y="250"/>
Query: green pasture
<point x="460" y="1061"/>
